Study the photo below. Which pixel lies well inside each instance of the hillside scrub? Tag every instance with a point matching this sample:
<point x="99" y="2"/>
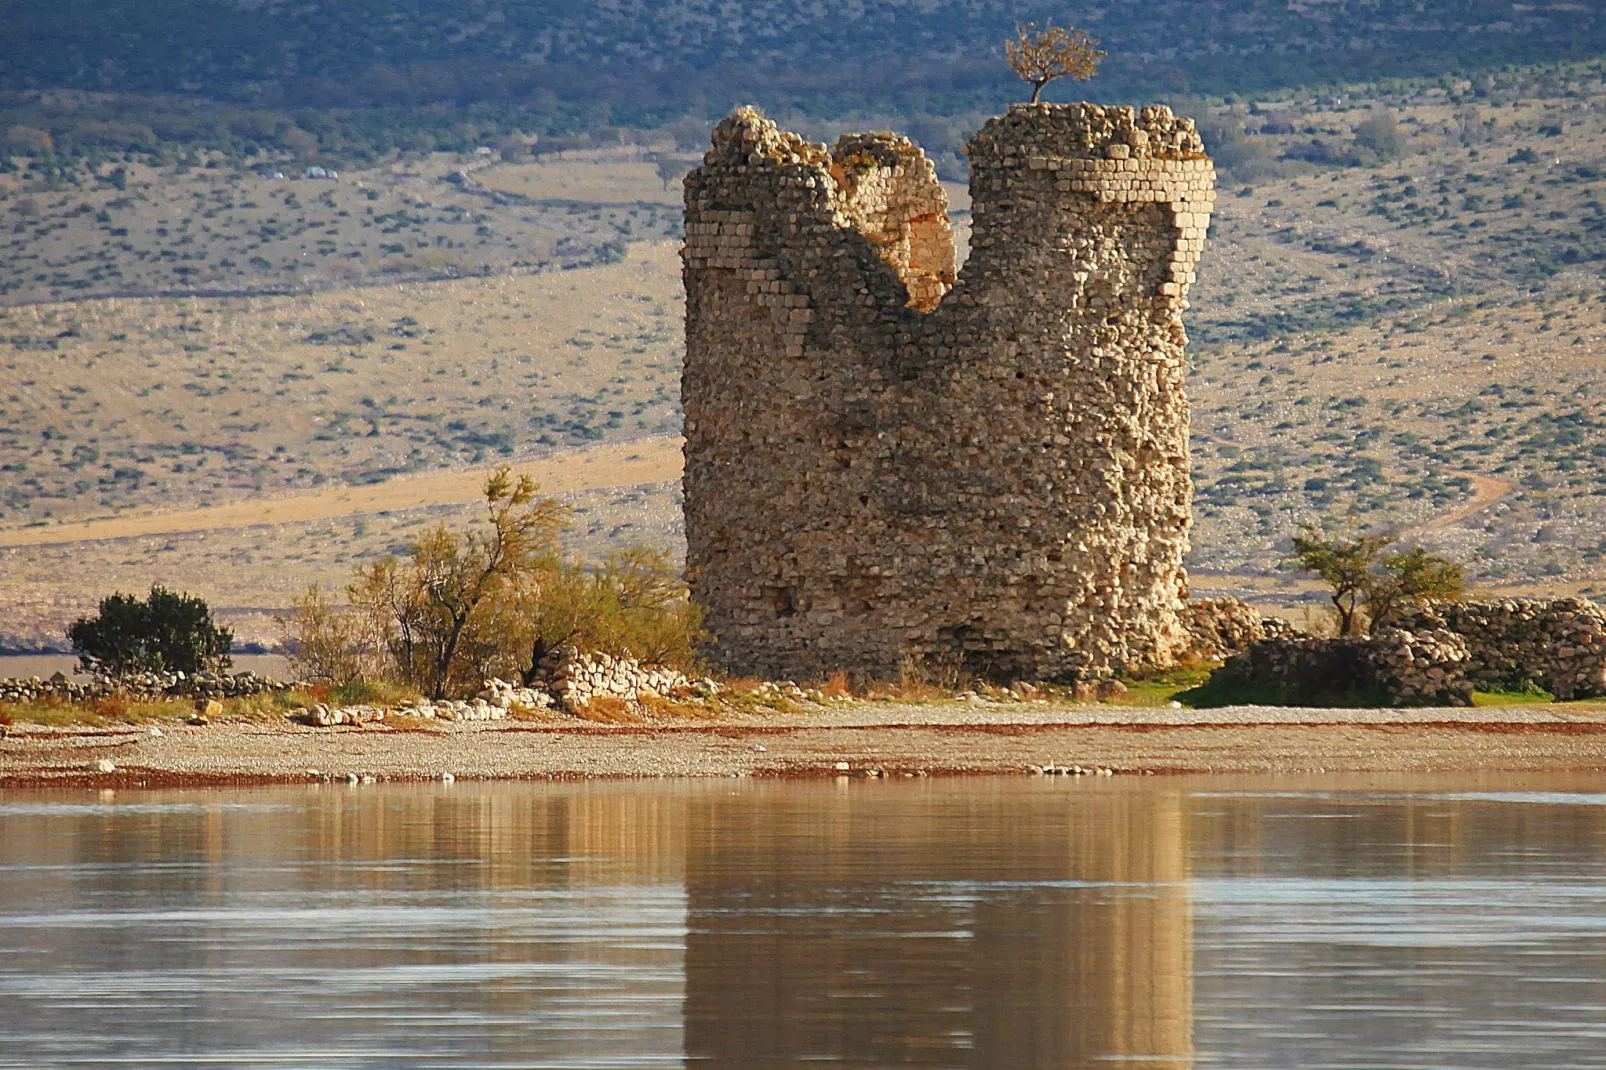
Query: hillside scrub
<point x="495" y="600"/>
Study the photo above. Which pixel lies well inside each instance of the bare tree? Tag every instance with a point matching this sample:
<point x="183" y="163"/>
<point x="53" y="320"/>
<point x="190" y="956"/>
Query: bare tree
<point x="1039" y="56"/>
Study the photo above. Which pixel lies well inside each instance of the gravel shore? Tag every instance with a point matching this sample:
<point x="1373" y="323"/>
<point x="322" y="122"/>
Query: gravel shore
<point x="864" y="739"/>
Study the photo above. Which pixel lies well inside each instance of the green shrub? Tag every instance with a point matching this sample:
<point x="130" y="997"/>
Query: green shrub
<point x="166" y="632"/>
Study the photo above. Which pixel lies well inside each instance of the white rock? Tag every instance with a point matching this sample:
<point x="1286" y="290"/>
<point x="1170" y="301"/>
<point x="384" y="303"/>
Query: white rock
<point x="106" y="765"/>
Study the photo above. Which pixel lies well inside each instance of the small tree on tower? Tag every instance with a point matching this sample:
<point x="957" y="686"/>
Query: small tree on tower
<point x="1039" y="56"/>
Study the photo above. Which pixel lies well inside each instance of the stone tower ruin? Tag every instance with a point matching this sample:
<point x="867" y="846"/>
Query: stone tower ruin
<point x="887" y="464"/>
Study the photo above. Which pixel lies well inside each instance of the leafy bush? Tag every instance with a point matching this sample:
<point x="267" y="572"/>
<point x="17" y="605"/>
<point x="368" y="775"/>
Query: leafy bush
<point x="327" y="644"/>
<point x="1380" y="134"/>
<point x="632" y="603"/>
<point x="166" y="632"/>
<point x="457" y="607"/>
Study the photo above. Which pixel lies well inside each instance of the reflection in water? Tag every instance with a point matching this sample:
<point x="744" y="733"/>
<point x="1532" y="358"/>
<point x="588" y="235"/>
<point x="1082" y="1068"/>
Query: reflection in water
<point x="932" y="929"/>
<point x="989" y="923"/>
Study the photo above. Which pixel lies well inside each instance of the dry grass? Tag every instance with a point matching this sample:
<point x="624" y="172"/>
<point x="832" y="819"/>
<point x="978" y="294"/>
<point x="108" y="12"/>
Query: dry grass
<point x="98" y="712"/>
<point x="590" y="178"/>
<point x="606" y="709"/>
<point x="659" y="706"/>
<point x="837" y="686"/>
<point x="405" y="723"/>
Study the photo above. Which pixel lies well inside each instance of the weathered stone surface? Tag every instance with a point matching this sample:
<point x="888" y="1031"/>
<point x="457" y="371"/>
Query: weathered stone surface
<point x="1396" y="666"/>
<point x="885" y="464"/>
<point x="1558" y="644"/>
<point x="1220" y="627"/>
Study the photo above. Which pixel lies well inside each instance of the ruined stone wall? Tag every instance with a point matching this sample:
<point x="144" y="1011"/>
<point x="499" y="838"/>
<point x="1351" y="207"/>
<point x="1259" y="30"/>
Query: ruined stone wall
<point x="886" y="463"/>
<point x="1558" y="644"/>
<point x="1430" y="667"/>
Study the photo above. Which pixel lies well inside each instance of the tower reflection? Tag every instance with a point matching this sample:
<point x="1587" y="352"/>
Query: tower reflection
<point x="904" y="926"/>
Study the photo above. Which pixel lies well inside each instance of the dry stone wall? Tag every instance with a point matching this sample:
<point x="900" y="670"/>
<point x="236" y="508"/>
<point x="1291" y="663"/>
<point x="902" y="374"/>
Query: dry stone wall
<point x="1395" y="666"/>
<point x="146" y="686"/>
<point x="886" y="463"/>
<point x="1556" y="644"/>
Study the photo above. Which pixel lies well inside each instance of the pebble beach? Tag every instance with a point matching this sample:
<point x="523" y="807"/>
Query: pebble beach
<point x="862" y="739"/>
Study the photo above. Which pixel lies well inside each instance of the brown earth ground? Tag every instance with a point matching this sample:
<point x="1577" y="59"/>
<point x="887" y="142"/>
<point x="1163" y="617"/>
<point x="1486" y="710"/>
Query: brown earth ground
<point x="865" y="739"/>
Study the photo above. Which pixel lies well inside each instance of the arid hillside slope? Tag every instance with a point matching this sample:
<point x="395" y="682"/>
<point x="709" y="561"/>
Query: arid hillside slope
<point x="1414" y="338"/>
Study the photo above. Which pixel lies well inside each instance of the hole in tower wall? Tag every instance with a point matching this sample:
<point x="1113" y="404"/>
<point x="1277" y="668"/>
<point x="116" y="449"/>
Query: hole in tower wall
<point x="783" y="600"/>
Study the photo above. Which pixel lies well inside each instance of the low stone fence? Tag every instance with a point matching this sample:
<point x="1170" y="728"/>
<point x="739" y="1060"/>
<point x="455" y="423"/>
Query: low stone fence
<point x="25" y="690"/>
<point x="1514" y="644"/>
<point x="1221" y="627"/>
<point x="1435" y="653"/>
<point x="143" y="686"/>
<point x="569" y="681"/>
<point x="1396" y="666"/>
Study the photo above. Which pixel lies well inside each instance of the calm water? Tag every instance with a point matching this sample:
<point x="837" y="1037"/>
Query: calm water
<point x="43" y="665"/>
<point x="998" y="923"/>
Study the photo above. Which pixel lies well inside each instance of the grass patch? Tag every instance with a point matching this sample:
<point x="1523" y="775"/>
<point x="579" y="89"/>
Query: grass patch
<point x="406" y="723"/>
<point x="49" y="714"/>
<point x="606" y="709"/>
<point x="658" y="706"/>
<point x="96" y="713"/>
<point x="374" y="693"/>
<point x="1512" y="698"/>
<point x="1162" y="689"/>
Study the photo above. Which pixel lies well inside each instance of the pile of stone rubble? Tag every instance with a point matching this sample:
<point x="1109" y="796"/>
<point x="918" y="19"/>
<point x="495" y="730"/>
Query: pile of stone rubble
<point x="569" y="681"/>
<point x="574" y="678"/>
<point x="1220" y="627"/>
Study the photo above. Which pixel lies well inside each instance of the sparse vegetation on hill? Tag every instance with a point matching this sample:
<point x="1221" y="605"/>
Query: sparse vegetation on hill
<point x="132" y="229"/>
<point x="367" y="76"/>
<point x="111" y="405"/>
<point x="1410" y="339"/>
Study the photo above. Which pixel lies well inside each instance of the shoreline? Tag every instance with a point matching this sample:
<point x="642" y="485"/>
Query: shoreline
<point x="864" y="740"/>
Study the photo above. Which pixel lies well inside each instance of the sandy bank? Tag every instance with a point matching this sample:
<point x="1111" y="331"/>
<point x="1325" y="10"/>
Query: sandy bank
<point x="895" y="740"/>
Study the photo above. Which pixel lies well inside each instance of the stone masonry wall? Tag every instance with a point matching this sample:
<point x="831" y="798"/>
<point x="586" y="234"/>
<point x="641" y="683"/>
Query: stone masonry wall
<point x="1558" y="644"/>
<point x="885" y="463"/>
<point x="1396" y="666"/>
